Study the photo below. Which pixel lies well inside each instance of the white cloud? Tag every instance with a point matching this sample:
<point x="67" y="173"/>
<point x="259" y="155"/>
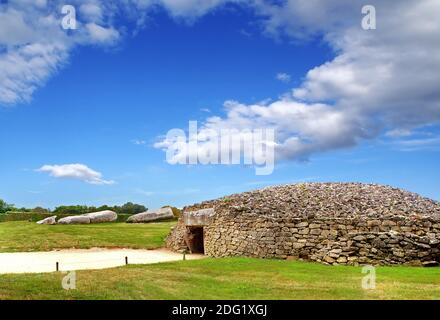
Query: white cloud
<point x="26" y="68"/>
<point x="14" y="20"/>
<point x="102" y="35"/>
<point x="35" y="47"/>
<point x="387" y="75"/>
<point x="283" y="77"/>
<point x="75" y="171"/>
<point x="380" y="80"/>
<point x="139" y="142"/>
<point x="418" y="144"/>
<point x="191" y="8"/>
<point x="28" y="24"/>
<point x="301" y="129"/>
<point x="397" y="133"/>
<point x="91" y="11"/>
<point x="245" y="33"/>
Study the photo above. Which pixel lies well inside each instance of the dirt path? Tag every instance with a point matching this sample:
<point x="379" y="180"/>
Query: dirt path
<point x="83" y="259"/>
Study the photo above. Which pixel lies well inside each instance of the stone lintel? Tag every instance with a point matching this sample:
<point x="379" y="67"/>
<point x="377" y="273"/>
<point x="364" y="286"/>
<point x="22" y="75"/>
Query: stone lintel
<point x="198" y="218"/>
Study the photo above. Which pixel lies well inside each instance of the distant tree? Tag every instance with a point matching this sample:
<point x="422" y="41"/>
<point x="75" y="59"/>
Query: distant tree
<point x="14" y="209"/>
<point x="40" y="210"/>
<point x="74" y="210"/>
<point x="104" y="207"/>
<point x="93" y="209"/>
<point x="130" y="208"/>
<point x="4" y="207"/>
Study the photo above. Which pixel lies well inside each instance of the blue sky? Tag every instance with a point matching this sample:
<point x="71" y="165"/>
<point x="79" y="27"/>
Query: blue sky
<point x="105" y="105"/>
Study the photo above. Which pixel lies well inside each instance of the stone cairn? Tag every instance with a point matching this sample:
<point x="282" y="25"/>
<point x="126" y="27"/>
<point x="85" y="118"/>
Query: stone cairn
<point x="331" y="223"/>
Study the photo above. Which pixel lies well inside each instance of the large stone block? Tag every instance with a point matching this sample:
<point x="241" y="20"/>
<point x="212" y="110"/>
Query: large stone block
<point x="102" y="216"/>
<point x="152" y="215"/>
<point x="49" y="220"/>
<point x="201" y="217"/>
<point x="74" y="220"/>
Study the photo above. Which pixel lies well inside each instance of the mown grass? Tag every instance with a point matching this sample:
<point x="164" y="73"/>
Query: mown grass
<point x="229" y="278"/>
<point x="28" y="236"/>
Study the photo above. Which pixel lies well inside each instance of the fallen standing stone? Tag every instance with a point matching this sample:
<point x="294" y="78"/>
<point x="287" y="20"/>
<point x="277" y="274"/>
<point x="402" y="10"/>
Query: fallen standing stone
<point x="151" y="216"/>
<point x="75" y="220"/>
<point x="101" y="216"/>
<point x="48" y="220"/>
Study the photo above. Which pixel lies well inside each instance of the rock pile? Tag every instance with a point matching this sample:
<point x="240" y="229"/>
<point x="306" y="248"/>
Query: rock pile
<point x="333" y="223"/>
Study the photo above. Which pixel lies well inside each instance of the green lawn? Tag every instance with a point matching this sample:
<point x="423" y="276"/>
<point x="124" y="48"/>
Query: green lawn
<point x="231" y="278"/>
<point x="29" y="236"/>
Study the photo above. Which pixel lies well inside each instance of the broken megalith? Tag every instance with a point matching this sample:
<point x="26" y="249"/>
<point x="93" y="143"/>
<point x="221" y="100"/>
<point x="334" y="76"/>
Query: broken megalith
<point x="48" y="220"/>
<point x="152" y="215"/>
<point x="74" y="220"/>
<point x="101" y="216"/>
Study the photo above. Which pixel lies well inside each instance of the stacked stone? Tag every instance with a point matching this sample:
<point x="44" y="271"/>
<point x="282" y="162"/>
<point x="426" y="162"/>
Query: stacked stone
<point x="332" y="223"/>
<point x="176" y="239"/>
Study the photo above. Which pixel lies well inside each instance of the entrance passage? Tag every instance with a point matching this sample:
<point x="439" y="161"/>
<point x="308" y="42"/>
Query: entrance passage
<point x="194" y="239"/>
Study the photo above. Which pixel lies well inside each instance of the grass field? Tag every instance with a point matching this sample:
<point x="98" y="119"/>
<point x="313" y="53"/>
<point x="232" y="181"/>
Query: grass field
<point x="230" y="278"/>
<point x="28" y="236"/>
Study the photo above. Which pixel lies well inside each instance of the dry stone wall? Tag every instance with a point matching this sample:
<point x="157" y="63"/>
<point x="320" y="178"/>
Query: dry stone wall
<point x="391" y="227"/>
<point x="176" y="239"/>
<point x="342" y="241"/>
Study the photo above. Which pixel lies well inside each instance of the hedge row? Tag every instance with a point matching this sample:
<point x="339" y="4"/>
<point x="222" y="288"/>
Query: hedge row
<point x="33" y="216"/>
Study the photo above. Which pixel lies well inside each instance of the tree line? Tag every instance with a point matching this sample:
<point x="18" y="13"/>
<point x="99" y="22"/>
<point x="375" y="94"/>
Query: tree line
<point x="127" y="208"/>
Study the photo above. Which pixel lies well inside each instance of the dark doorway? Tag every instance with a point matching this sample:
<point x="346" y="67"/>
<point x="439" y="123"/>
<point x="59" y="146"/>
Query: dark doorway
<point x="194" y="239"/>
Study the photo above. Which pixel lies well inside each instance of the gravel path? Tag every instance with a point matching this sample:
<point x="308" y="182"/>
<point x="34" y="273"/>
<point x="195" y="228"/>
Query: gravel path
<point x="83" y="259"/>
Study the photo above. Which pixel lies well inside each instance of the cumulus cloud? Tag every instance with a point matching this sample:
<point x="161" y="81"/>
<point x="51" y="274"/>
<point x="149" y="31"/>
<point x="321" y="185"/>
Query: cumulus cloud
<point x="383" y="80"/>
<point x="75" y="171"/>
<point x="34" y="47"/>
<point x="301" y="128"/>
